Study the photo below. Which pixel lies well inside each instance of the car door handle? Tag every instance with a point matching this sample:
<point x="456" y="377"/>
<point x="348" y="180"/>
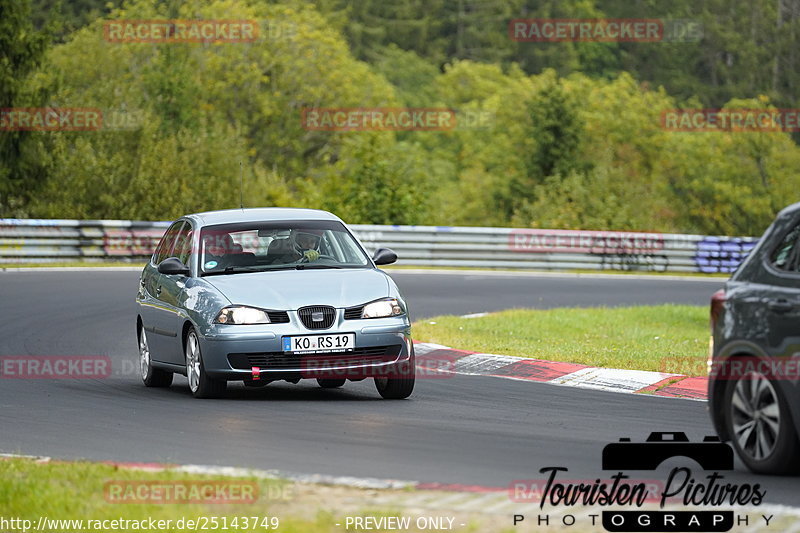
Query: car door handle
<point x="780" y="305"/>
<point x="158" y="290"/>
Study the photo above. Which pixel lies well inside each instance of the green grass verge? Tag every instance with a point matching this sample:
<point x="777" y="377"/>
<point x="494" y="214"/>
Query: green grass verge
<point x="79" y="490"/>
<point x="663" y="338"/>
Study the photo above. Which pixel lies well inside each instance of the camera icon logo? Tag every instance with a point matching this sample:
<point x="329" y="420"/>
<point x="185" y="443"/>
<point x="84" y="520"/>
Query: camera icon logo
<point x="710" y="454"/>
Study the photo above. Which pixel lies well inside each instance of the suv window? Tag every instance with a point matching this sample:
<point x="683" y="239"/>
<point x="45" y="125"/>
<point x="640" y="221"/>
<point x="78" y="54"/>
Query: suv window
<point x="167" y="242"/>
<point x="784" y="257"/>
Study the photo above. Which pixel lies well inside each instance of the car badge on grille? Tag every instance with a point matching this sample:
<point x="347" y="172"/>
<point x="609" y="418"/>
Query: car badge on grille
<point x="317" y="317"/>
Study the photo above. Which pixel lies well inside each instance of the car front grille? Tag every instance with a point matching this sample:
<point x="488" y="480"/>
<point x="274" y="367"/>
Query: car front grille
<point x="352" y="313"/>
<point x="286" y="361"/>
<point x="278" y="317"/>
<point x="317" y="316"/>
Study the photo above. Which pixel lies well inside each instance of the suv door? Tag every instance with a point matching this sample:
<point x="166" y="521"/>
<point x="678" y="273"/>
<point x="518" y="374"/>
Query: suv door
<point x="783" y="308"/>
<point x="781" y="295"/>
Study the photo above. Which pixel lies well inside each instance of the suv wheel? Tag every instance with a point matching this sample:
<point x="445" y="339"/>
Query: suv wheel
<point x="760" y="425"/>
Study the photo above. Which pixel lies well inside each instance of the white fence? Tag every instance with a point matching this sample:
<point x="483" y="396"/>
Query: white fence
<point x="45" y="241"/>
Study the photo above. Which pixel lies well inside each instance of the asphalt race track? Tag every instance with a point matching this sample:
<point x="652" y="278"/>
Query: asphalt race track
<point x="466" y="430"/>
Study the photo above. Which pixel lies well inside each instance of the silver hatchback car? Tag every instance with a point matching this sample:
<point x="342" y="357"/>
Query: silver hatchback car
<point x="259" y="295"/>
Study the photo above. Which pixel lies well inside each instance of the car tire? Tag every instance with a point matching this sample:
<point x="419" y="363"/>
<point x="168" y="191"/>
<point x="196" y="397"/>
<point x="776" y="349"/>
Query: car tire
<point x="330" y="383"/>
<point x="151" y="376"/>
<point x="770" y="446"/>
<point x="399" y="384"/>
<point x="200" y="384"/>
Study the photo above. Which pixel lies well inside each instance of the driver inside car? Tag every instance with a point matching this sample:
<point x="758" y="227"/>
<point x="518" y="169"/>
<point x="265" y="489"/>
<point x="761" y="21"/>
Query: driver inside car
<point x="218" y="250"/>
<point x="306" y="244"/>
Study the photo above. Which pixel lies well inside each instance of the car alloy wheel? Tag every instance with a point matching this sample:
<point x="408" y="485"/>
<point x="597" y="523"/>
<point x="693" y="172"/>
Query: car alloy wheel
<point x="755" y="416"/>
<point x="151" y="377"/>
<point x="200" y="383"/>
<point x="144" y="355"/>
<point x="759" y="422"/>
<point x="193" y="361"/>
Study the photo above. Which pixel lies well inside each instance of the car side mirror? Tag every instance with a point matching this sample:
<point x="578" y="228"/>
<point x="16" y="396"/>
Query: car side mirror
<point x="173" y="266"/>
<point x="384" y="256"/>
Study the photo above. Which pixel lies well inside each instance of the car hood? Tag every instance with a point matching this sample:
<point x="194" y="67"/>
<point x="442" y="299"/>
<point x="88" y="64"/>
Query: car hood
<point x="292" y="289"/>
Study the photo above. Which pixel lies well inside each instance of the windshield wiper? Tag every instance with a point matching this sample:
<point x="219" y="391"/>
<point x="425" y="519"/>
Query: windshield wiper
<point x="270" y="269"/>
<point x="243" y="269"/>
<point x="233" y="270"/>
<point x="306" y="266"/>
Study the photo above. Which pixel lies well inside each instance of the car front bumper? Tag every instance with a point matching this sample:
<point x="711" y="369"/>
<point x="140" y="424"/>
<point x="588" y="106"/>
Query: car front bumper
<point x="255" y="352"/>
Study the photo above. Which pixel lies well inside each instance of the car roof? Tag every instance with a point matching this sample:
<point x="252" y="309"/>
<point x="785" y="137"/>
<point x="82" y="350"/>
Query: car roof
<point x="259" y="214"/>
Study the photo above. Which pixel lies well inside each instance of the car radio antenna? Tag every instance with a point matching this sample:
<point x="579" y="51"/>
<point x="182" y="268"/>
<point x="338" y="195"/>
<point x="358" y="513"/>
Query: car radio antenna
<point x="241" y="185"/>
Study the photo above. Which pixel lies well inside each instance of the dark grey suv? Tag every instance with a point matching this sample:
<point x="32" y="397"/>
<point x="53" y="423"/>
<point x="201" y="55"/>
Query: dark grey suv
<point x="754" y="390"/>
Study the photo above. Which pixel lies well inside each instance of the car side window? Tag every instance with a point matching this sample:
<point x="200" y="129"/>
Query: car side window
<point x="167" y="242"/>
<point x="183" y="244"/>
<point x="785" y="255"/>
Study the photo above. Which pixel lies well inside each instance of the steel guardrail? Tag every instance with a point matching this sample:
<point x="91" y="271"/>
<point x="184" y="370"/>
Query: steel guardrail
<point x="53" y="241"/>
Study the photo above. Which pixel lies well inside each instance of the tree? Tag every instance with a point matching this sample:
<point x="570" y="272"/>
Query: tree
<point x="555" y="131"/>
<point x="21" y="52"/>
<point x="202" y="109"/>
<point x="377" y="181"/>
<point x="556" y="128"/>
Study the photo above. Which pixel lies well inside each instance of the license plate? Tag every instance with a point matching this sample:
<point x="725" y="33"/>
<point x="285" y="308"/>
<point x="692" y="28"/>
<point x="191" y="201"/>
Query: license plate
<point x="341" y="342"/>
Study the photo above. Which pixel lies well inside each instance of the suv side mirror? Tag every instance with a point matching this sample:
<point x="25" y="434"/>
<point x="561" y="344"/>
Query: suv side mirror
<point x="384" y="256"/>
<point x="172" y="266"/>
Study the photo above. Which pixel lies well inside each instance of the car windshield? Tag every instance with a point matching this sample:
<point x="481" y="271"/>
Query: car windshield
<point x="263" y="246"/>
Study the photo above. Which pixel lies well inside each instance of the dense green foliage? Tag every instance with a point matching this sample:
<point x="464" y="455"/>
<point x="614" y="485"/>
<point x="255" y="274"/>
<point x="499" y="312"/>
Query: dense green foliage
<point x="21" y="51"/>
<point x="574" y="138"/>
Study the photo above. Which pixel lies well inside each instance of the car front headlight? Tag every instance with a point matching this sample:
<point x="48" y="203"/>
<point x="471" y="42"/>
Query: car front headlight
<point x="382" y="309"/>
<point x="242" y="315"/>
